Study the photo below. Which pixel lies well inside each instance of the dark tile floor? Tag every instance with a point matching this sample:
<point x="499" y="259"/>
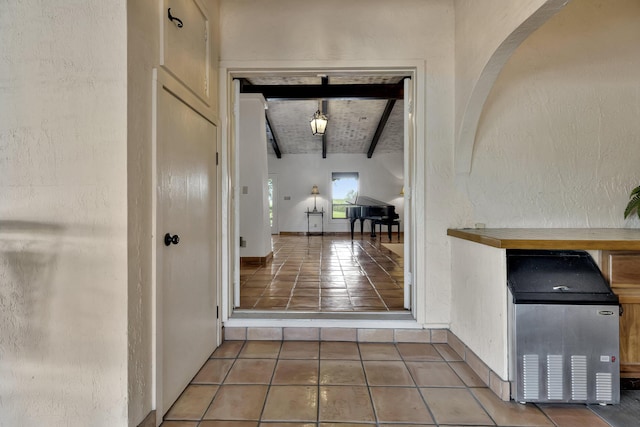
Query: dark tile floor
<point x="326" y="273"/>
<point x="343" y="384"/>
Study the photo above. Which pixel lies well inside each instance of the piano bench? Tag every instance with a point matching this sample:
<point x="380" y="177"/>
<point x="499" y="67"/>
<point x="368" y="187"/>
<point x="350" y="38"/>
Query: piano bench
<point x="389" y="227"/>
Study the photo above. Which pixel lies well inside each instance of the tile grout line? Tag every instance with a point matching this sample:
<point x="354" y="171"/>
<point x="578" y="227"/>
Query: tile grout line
<point x="424" y="400"/>
<point x="266" y="396"/>
<point x="318" y="389"/>
<point x="366" y="383"/>
<point x="235" y="359"/>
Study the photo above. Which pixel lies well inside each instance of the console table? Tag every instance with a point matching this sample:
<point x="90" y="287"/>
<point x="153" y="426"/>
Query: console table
<point x="315" y="213"/>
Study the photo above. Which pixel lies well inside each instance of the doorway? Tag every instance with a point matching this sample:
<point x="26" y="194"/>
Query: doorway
<point x="338" y="228"/>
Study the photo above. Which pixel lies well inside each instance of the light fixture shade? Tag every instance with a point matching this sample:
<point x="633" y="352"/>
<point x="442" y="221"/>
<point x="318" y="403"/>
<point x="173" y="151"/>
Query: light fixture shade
<point x="315" y="190"/>
<point x="318" y="123"/>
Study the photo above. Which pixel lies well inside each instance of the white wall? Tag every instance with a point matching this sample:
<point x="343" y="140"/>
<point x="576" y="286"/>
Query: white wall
<point x="476" y="41"/>
<point x="254" y="172"/>
<point x="142" y="54"/>
<point x="63" y="213"/>
<point x="487" y="33"/>
<point x="380" y="177"/>
<point x="557" y="144"/>
<point x="479" y="311"/>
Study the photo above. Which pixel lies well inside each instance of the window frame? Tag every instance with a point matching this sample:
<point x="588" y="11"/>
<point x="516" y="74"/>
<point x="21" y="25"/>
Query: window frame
<point x="348" y="196"/>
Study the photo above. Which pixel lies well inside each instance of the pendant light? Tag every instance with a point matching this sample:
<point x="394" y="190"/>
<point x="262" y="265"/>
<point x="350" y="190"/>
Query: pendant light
<point x="318" y="123"/>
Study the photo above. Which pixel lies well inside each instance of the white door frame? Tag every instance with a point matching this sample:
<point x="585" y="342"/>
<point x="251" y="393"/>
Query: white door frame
<point x="412" y="179"/>
<point x="275" y="229"/>
<point x="162" y="79"/>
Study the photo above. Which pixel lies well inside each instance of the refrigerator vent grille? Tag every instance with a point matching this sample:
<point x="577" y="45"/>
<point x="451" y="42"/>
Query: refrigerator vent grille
<point x="555" y="378"/>
<point x="579" y="377"/>
<point x="531" y="379"/>
<point x="604" y="389"/>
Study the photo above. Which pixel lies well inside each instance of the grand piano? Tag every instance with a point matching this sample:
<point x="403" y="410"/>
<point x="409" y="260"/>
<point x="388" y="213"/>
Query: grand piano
<point x="365" y="208"/>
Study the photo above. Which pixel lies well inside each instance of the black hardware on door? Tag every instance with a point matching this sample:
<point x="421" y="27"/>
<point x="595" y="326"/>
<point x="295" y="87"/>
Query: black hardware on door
<point x="173" y="19"/>
<point x="169" y="239"/>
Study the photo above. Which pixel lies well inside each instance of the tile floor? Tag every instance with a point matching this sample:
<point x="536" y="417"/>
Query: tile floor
<point x="326" y="273"/>
<point x="343" y="384"/>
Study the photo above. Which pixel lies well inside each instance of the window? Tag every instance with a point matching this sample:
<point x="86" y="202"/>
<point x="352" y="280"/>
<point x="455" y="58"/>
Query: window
<point x="344" y="190"/>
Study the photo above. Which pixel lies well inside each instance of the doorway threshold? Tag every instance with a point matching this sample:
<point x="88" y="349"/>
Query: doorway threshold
<point x="314" y="319"/>
<point x="362" y="315"/>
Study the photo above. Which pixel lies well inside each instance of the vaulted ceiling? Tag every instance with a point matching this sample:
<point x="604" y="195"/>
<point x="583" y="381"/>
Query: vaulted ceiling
<point x="365" y="112"/>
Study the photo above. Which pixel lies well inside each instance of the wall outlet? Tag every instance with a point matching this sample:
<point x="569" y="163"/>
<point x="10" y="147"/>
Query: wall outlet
<point x="243" y="242"/>
<point x="287" y="197"/>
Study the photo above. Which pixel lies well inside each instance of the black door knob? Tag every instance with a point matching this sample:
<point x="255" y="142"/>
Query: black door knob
<point x="169" y="239"/>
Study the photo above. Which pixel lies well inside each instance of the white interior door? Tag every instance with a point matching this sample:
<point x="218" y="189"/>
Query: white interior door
<point x="186" y="269"/>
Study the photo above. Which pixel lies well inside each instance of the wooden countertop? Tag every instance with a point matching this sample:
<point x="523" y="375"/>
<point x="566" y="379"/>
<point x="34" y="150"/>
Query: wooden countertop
<point x="617" y="239"/>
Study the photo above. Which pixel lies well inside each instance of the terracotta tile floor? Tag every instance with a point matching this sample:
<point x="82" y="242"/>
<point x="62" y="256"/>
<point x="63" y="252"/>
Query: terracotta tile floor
<point x="326" y="273"/>
<point x="342" y="384"/>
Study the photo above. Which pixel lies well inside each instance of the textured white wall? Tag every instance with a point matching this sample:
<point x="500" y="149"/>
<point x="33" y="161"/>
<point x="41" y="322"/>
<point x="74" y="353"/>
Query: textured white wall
<point x="63" y="213"/>
<point x="142" y="55"/>
<point x="380" y="177"/>
<point x="254" y="172"/>
<point x="479" y="311"/>
<point x="476" y="41"/>
<point x="557" y="144"/>
<point x="487" y="33"/>
<point x="334" y="29"/>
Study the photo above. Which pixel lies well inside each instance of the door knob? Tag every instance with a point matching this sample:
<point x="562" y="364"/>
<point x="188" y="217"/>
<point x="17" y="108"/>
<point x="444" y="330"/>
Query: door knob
<point x="169" y="239"/>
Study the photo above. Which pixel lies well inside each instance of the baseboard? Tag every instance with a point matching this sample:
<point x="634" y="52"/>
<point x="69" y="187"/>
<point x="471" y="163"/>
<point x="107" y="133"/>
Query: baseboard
<point x="256" y="260"/>
<point x="304" y="233"/>
<point x="501" y="387"/>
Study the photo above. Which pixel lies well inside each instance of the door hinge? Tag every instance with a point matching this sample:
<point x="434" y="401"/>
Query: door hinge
<point x="217" y="158"/>
<point x="217" y="312"/>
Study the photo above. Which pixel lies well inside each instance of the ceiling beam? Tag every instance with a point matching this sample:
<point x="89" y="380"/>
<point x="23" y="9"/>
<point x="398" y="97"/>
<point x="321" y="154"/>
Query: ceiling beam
<point x="381" y="124"/>
<point x="274" y="140"/>
<point x="306" y="92"/>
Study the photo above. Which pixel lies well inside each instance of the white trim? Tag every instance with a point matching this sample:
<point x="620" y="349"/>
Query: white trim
<point x="325" y="323"/>
<point x="416" y="69"/>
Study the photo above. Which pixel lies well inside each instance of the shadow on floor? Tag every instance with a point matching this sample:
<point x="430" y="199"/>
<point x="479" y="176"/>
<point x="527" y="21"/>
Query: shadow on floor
<point x="626" y="414"/>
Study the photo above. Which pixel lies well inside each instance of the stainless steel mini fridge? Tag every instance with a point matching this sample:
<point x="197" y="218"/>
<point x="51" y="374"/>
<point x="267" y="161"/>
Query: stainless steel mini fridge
<point x="563" y="329"/>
